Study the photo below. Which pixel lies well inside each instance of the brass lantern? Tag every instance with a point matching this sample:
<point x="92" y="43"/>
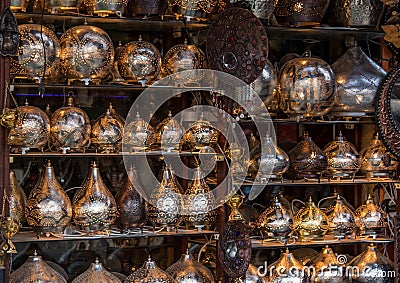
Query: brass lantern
<point x="287" y="269"/>
<point x="310" y="222"/>
<point x="307" y="87"/>
<point x="95" y="209"/>
<point x="87" y="53"/>
<point x="139" y="62"/>
<point x="149" y="273"/>
<point x="188" y="270"/>
<point x="48" y="208"/>
<point x="343" y="158"/>
<point x="349" y="13"/>
<point x="198" y="9"/>
<point x="201" y="135"/>
<point x="199" y="202"/>
<point x="39" y="50"/>
<point x="96" y="273"/>
<point x="35" y="269"/>
<point x="169" y="133"/>
<point x="328" y="269"/>
<point x="138" y="134"/>
<point x="17" y="200"/>
<point x="31" y="130"/>
<point x="70" y="128"/>
<point x="107" y="131"/>
<point x="341" y="218"/>
<point x="300" y="13"/>
<point x="370" y="218"/>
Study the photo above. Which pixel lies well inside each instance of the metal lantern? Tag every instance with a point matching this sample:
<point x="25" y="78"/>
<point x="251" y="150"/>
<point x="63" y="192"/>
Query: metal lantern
<point x="149" y="273"/>
<point x="94" y="209"/>
<point x="307" y="87"/>
<point x="188" y="270"/>
<point x="370" y="218"/>
<point x="349" y="13"/>
<point x="87" y="53"/>
<point x="287" y="269"/>
<point x="373" y="267"/>
<point x="358" y="78"/>
<point x="343" y="158"/>
<point x="377" y="161"/>
<point x="48" y="208"/>
<point x="104" y="8"/>
<point x="299" y="13"/>
<point x="166" y="201"/>
<point x="17" y="200"/>
<point x="132" y="208"/>
<point x="341" y="218"/>
<point x="148" y="7"/>
<point x="70" y="128"/>
<point x="169" y="133"/>
<point x="198" y="9"/>
<point x="310" y="222"/>
<point x="107" y="131"/>
<point x="138" y="134"/>
<point x="201" y="135"/>
<point x="96" y="273"/>
<point x="307" y="160"/>
<point x="276" y="221"/>
<point x="31" y="130"/>
<point x="139" y="62"/>
<point x="39" y="50"/>
<point x="328" y="269"/>
<point x="199" y="202"/>
<point x="35" y="269"/>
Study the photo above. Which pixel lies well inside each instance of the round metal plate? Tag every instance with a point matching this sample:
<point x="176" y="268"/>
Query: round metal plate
<point x="237" y="44"/>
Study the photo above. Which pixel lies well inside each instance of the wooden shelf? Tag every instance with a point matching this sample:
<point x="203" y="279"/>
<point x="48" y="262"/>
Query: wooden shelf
<point x="120" y="154"/>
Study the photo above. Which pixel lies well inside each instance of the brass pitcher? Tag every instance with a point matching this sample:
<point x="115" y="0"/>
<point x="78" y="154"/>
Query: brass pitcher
<point x="95" y="209"/>
<point x="48" y="208"/>
<point x="310" y="222"/>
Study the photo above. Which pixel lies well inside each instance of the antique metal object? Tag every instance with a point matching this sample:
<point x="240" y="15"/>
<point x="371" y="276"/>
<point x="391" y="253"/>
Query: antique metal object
<point x="377" y="161"/>
<point x="253" y="276"/>
<point x="370" y="218"/>
<point x="95" y="208"/>
<point x="32" y="57"/>
<point x="104" y="8"/>
<point x="234" y="246"/>
<point x="139" y="62"/>
<point x="149" y="273"/>
<point x="19" y="5"/>
<point x="70" y="128"/>
<point x="343" y="158"/>
<point x="201" y="135"/>
<point x="287" y="269"/>
<point x="388" y="111"/>
<point x="107" y="131"/>
<point x="341" y="219"/>
<point x="138" y="134"/>
<point x="377" y="268"/>
<point x="198" y="10"/>
<point x="132" y="208"/>
<point x="169" y="133"/>
<point x="266" y="87"/>
<point x="31" y="130"/>
<point x="356" y="86"/>
<point x="271" y="163"/>
<point x="148" y="7"/>
<point x="183" y="57"/>
<point x="9" y="40"/>
<point x="237" y="44"/>
<point x="276" y="221"/>
<point x="199" y="202"/>
<point x="328" y="269"/>
<point x="87" y="53"/>
<point x="188" y="270"/>
<point x="56" y="6"/>
<point x="349" y="13"/>
<point x="96" y="273"/>
<point x="9" y="227"/>
<point x="35" y="269"/>
<point x="48" y="208"/>
<point x="17" y="201"/>
<point x="307" y="160"/>
<point x="310" y="222"/>
<point x="300" y="13"/>
<point x="307" y="87"/>
<point x="166" y="201"/>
